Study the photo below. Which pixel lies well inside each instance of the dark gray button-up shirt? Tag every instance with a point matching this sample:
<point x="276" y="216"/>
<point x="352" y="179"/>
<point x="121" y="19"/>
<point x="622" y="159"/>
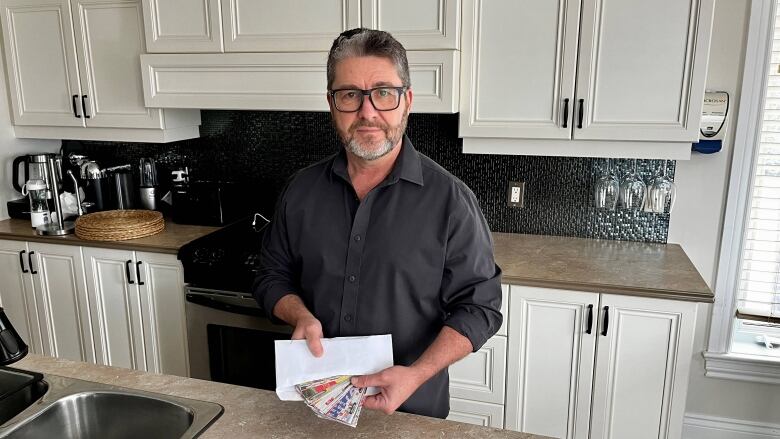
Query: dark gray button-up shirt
<point x="416" y="254"/>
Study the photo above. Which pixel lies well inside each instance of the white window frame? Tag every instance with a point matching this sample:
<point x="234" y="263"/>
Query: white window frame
<point x="719" y="362"/>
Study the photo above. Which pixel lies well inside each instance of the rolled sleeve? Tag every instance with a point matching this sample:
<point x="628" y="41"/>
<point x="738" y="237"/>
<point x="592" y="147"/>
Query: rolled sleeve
<point x="276" y="276"/>
<point x="471" y="282"/>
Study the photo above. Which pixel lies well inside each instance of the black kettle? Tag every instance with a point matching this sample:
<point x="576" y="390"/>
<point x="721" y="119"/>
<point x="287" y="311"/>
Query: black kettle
<point x="12" y="347"/>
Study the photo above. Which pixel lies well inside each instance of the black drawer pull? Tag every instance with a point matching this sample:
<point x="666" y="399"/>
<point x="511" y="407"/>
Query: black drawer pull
<point x="84" y="106"/>
<point x="566" y="112"/>
<point x="606" y="321"/>
<point x="29" y="261"/>
<point x="590" y="320"/>
<point x="138" y="272"/>
<point x="127" y="271"/>
<point x="579" y="117"/>
<point x="21" y="261"/>
<point x="76" y="106"/>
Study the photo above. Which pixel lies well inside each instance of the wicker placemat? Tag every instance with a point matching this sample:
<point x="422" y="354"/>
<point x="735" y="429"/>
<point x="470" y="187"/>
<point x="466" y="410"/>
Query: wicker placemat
<point x="119" y="225"/>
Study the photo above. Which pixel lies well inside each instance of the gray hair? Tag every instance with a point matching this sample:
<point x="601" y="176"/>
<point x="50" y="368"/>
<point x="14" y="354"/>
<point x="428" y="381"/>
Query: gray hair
<point x="368" y="42"/>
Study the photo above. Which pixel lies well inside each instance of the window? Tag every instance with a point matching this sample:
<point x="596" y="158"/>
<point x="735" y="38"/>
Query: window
<point x="745" y="333"/>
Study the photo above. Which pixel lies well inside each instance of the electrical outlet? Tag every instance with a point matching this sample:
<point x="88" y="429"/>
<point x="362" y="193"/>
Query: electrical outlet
<point x="515" y="194"/>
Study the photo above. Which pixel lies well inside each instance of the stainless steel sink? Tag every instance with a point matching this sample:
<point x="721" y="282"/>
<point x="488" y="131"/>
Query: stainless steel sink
<point x="82" y="409"/>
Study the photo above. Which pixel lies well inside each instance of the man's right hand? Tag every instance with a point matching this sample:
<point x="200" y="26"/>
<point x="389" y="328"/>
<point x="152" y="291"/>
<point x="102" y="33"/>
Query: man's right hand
<point x="310" y="329"/>
<point x="292" y="310"/>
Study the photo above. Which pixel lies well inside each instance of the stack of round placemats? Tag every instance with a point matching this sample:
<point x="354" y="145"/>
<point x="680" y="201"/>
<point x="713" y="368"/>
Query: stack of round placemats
<point x="119" y="225"/>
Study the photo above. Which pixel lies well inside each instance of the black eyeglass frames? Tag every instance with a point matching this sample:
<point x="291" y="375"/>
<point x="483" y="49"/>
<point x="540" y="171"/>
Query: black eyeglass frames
<point x="350" y="100"/>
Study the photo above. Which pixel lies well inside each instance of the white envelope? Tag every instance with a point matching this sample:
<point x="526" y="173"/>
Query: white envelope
<point x="343" y="356"/>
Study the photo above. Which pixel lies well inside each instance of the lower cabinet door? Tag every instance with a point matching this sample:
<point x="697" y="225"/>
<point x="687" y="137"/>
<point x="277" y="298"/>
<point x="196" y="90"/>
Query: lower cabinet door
<point x="642" y="367"/>
<point x="161" y="287"/>
<point x="17" y="295"/>
<point x="61" y="296"/>
<point x="552" y="342"/>
<point x="113" y="292"/>
<point x="477" y="413"/>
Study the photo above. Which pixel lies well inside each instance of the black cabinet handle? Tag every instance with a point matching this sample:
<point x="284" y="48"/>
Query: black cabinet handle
<point x="127" y="271"/>
<point x="565" y="112"/>
<point x="29" y="261"/>
<point x="76" y="106"/>
<point x="579" y="116"/>
<point x="21" y="261"/>
<point x="590" y="320"/>
<point x="138" y="272"/>
<point x="606" y="321"/>
<point x="84" y="106"/>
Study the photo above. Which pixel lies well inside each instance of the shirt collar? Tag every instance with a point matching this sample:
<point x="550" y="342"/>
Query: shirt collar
<point x="407" y="166"/>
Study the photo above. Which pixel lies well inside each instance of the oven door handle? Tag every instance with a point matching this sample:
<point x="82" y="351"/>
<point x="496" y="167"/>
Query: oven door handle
<point x="211" y="302"/>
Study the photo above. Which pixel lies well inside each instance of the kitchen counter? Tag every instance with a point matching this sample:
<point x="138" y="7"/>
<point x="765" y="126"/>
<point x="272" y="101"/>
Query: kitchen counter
<point x="169" y="241"/>
<point x="252" y="413"/>
<point x="600" y="266"/>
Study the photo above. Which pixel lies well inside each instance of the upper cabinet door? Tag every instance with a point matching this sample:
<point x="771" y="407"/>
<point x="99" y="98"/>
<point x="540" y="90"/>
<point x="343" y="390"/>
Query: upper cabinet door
<point x="417" y="24"/>
<point x="518" y="68"/>
<point x="39" y="52"/>
<point x="642" y="68"/>
<point x="286" y="26"/>
<point x="183" y="26"/>
<point x="111" y="39"/>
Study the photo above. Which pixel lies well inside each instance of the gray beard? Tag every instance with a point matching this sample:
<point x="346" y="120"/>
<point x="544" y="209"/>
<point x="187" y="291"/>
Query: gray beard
<point x="356" y="148"/>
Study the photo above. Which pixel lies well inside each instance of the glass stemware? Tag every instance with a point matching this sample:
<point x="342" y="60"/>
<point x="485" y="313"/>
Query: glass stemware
<point x="606" y="188"/>
<point x="661" y="191"/>
<point x="632" y="190"/>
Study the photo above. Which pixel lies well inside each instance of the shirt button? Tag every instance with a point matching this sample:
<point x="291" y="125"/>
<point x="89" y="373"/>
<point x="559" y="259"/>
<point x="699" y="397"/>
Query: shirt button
<point x="348" y="318"/>
<point x="352" y="278"/>
<point x="357" y="238"/>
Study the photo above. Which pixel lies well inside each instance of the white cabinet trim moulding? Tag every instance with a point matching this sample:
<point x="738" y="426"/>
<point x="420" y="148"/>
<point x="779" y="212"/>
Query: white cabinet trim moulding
<point x="578" y="148"/>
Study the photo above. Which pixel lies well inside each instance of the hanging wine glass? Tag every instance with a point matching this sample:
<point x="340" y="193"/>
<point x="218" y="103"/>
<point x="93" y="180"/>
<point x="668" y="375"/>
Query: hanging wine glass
<point x="662" y="191"/>
<point x="606" y="188"/>
<point x="632" y="190"/>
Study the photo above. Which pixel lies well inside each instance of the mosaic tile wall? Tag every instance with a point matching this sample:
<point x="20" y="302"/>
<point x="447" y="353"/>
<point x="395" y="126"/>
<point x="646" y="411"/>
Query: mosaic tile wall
<point x="262" y="149"/>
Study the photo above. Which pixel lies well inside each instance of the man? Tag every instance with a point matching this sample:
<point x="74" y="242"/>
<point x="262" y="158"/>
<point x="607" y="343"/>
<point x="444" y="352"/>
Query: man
<point x="379" y="239"/>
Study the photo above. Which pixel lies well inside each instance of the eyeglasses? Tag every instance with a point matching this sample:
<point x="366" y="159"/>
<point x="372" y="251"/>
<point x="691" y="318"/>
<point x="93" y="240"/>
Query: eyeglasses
<point x="350" y="100"/>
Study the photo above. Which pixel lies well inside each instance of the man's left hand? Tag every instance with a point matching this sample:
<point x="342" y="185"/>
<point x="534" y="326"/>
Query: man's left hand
<point x="396" y="385"/>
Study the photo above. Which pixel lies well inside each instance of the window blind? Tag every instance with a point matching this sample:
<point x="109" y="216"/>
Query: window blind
<point x="759" y="281"/>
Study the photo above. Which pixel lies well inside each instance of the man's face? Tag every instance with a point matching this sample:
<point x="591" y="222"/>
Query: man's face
<point x="368" y="133"/>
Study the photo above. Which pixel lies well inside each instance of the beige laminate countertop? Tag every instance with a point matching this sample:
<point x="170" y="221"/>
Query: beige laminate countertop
<point x="169" y="241"/>
<point x="600" y="266"/>
<point x="253" y="413"/>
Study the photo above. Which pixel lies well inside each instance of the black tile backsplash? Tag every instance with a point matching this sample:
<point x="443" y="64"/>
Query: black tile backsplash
<point x="262" y="149"/>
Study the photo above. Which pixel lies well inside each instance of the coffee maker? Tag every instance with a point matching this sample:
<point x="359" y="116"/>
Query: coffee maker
<point x="31" y="167"/>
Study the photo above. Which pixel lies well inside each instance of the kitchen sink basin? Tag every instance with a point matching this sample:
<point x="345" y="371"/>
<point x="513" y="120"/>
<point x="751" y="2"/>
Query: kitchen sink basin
<point x="82" y="409"/>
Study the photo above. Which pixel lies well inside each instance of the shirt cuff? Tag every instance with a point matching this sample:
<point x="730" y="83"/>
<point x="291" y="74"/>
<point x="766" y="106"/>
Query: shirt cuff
<point x="472" y="326"/>
<point x="272" y="295"/>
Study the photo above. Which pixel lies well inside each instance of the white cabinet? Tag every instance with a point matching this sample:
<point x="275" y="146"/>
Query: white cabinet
<point x="477" y="413"/>
<point x="552" y="346"/>
<point x="17" y="293"/>
<point x="61" y="298"/>
<point x="638" y="69"/>
<point x="586" y="365"/>
<point x="288" y="26"/>
<point x="642" y="367"/>
<point x="74" y="73"/>
<point x="417" y="24"/>
<point x="183" y="26"/>
<point x="139" y="310"/>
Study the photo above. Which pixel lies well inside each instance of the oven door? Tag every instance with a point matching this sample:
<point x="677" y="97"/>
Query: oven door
<point x="230" y="340"/>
